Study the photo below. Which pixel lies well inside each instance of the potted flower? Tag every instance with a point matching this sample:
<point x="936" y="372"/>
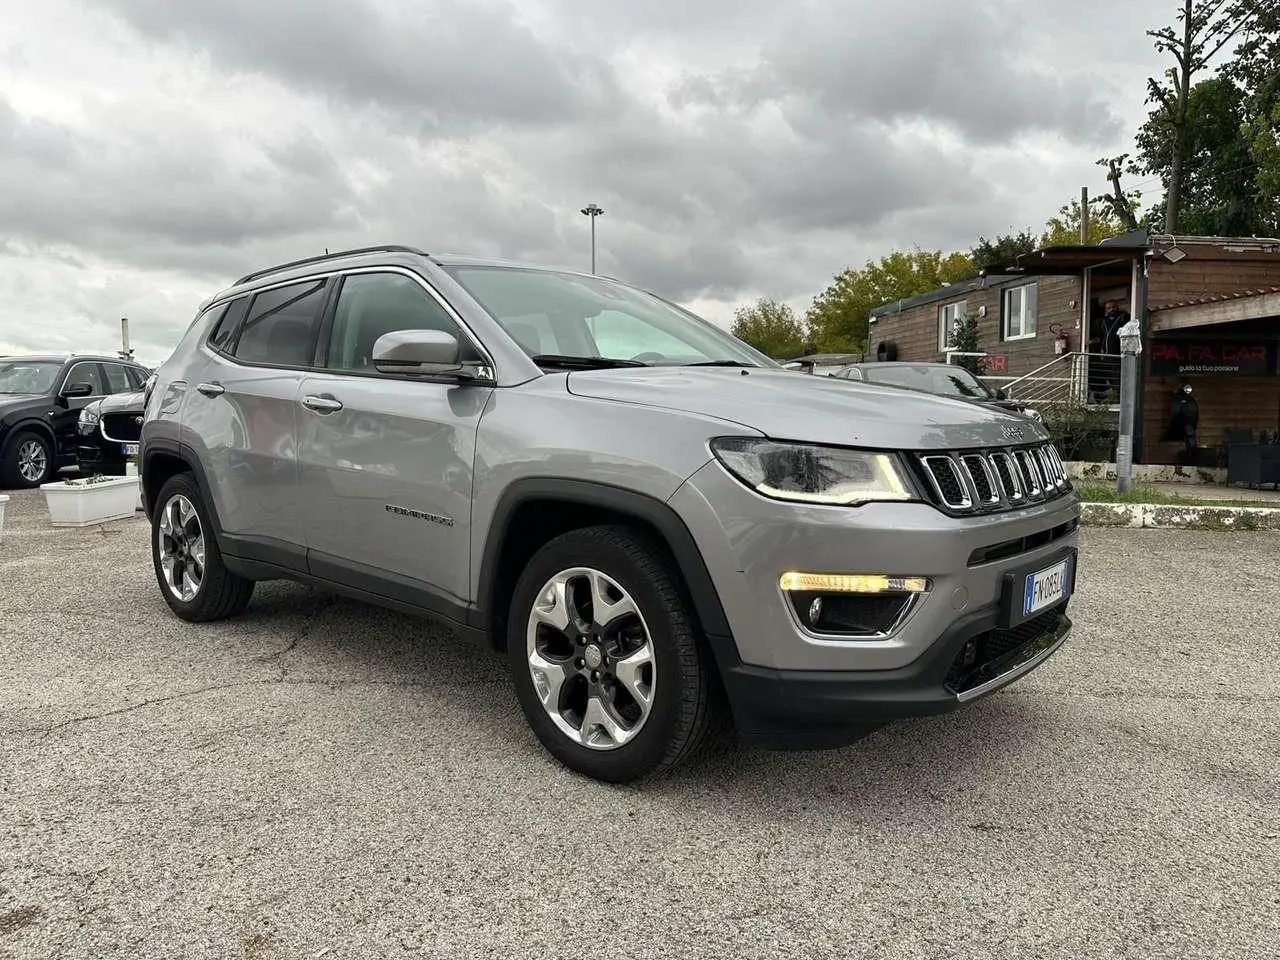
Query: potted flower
<point x="91" y="500"/>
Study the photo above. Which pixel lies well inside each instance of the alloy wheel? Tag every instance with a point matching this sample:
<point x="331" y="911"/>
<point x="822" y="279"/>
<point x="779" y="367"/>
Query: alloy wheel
<point x="591" y="657"/>
<point x="33" y="461"/>
<point x="180" y="541"/>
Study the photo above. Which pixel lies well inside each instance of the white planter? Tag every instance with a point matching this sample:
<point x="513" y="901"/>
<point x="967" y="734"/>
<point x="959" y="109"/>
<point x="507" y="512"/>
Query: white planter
<point x="130" y="468"/>
<point x="86" y="504"/>
<point x="4" y="498"/>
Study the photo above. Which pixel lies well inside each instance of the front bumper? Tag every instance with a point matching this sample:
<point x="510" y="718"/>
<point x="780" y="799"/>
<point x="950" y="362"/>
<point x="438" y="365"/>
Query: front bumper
<point x="814" y="709"/>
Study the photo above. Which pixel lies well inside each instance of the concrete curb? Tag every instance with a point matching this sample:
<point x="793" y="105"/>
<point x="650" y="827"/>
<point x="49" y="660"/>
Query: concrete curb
<point x="1181" y="517"/>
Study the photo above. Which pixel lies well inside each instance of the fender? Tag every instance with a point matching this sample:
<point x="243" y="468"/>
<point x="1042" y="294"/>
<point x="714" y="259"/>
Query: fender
<point x="656" y="513"/>
<point x="34" y="426"/>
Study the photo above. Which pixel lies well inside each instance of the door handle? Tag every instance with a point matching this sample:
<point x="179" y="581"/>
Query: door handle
<point x="322" y="404"/>
<point x="211" y="389"/>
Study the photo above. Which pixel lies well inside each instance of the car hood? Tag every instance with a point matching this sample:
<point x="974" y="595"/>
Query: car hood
<point x="12" y="401"/>
<point x="795" y="406"/>
<point x="121" y="403"/>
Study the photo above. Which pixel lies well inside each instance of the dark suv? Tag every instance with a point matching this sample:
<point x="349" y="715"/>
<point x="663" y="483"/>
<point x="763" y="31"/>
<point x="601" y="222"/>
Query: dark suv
<point x="40" y="402"/>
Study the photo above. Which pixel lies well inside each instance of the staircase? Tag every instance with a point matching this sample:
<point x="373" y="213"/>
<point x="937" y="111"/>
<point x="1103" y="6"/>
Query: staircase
<point x="1090" y="379"/>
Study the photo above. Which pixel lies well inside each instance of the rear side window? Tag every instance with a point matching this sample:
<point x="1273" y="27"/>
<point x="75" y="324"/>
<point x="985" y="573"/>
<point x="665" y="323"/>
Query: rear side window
<point x="281" y="326"/>
<point x="117" y="378"/>
<point x="224" y="324"/>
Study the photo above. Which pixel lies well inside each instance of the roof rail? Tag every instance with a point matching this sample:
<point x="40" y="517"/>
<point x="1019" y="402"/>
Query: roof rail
<point x="380" y="248"/>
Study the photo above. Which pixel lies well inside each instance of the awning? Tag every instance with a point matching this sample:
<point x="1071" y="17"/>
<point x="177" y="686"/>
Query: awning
<point x="1069" y="260"/>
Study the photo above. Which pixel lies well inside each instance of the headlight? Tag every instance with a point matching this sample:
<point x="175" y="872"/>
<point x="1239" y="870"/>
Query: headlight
<point x="1033" y="414"/>
<point x="88" y="419"/>
<point x="809" y="474"/>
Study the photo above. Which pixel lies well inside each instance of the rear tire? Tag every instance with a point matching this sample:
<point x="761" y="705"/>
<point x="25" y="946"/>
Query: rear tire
<point x="619" y="701"/>
<point x="28" y="461"/>
<point x="193" y="580"/>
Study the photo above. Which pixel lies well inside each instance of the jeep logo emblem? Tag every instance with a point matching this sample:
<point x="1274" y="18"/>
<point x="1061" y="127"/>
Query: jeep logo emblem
<point x="1011" y="432"/>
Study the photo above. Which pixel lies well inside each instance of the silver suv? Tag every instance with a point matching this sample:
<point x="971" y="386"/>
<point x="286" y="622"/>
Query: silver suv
<point x="666" y="533"/>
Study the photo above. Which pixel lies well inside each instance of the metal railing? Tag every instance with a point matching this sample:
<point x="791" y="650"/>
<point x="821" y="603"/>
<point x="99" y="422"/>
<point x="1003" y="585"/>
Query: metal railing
<point x="1087" y="378"/>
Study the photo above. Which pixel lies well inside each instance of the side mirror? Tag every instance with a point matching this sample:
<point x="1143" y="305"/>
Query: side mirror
<point x="80" y="389"/>
<point x="422" y="352"/>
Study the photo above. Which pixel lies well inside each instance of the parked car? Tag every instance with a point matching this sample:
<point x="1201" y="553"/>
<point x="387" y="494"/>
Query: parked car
<point x="944" y="379"/>
<point x="659" y="527"/>
<point x="108" y="431"/>
<point x="40" y="402"/>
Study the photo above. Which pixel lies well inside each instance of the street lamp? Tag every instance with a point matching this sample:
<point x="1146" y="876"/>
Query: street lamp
<point x="592" y="210"/>
<point x="1130" y="347"/>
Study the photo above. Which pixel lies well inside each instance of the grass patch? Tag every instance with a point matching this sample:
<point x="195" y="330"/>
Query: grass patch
<point x="1103" y="493"/>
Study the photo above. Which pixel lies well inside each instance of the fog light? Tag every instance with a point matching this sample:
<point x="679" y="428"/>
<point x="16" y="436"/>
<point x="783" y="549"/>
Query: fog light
<point x="815" y="611"/>
<point x="851" y="583"/>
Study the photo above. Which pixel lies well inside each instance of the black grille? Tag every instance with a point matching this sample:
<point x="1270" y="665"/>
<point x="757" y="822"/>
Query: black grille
<point x="121" y="427"/>
<point x="990" y="654"/>
<point x="1011" y="548"/>
<point x="972" y="481"/>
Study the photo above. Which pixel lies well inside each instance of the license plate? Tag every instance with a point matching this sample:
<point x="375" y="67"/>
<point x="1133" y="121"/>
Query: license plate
<point x="1046" y="587"/>
<point x="129" y="449"/>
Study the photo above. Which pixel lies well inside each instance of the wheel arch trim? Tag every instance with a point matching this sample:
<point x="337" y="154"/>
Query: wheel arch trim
<point x="657" y="514"/>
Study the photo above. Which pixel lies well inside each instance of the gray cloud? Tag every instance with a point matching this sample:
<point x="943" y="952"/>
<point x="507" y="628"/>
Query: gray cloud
<point x="463" y="63"/>
<point x="739" y="148"/>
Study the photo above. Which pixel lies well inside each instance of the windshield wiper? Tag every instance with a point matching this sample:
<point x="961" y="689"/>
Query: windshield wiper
<point x="719" y="363"/>
<point x="582" y="363"/>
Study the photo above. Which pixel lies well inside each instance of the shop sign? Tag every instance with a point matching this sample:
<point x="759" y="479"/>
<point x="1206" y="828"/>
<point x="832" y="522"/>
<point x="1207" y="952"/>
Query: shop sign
<point x="1212" y="358"/>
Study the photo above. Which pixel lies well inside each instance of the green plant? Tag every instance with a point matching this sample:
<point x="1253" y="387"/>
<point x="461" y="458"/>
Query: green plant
<point x="964" y="338"/>
<point x="1082" y="432"/>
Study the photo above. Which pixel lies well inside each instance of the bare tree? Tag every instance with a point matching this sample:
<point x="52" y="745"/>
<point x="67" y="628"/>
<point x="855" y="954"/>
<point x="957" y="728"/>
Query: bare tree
<point x="1204" y="27"/>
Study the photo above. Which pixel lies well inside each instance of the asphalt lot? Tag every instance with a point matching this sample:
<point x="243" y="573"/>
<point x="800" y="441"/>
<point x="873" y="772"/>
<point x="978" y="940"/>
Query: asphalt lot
<point x="321" y="778"/>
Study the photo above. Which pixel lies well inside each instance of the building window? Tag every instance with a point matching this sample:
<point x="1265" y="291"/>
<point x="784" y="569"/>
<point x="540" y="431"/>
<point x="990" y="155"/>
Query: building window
<point x="1020" y="312"/>
<point x="947" y="317"/>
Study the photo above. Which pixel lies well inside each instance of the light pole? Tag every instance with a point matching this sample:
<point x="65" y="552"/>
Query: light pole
<point x="592" y="210"/>
<point x="1130" y="348"/>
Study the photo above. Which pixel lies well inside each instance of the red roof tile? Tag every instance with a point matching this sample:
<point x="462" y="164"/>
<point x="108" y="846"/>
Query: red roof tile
<point x="1216" y="298"/>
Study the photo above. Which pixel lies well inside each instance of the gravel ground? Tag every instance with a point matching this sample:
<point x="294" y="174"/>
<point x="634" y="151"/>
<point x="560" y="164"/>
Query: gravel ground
<point x="320" y="778"/>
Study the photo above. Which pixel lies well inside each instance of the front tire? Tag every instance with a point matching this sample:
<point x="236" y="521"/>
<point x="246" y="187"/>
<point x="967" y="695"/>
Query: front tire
<point x="193" y="580"/>
<point x="606" y="659"/>
<point x="28" y="461"/>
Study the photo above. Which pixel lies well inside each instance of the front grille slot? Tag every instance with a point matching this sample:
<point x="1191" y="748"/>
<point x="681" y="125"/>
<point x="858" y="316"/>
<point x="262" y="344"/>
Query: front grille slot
<point x="947" y="482"/>
<point x="988" y="481"/>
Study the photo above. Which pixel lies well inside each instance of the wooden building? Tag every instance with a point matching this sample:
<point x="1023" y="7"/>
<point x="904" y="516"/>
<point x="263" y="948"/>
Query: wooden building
<point x="1210" y="314"/>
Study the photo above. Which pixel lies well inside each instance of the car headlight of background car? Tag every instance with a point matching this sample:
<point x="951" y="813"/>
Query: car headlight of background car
<point x="87" y="421"/>
<point x="812" y="474"/>
<point x="1033" y="413"/>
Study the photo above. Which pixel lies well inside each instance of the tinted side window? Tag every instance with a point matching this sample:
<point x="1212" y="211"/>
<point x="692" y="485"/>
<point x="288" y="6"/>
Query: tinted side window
<point x="372" y="304"/>
<point x="223" y="329"/>
<point x="281" y="326"/>
<point x="86" y="373"/>
<point x="117" y="378"/>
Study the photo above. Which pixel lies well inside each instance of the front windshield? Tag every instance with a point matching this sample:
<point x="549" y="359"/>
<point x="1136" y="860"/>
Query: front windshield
<point x="567" y="315"/>
<point x="28" y="376"/>
<point x="950" y="382"/>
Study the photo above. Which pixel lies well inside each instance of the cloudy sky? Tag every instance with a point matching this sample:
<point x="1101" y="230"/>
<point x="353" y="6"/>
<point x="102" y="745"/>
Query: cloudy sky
<point x="151" y="150"/>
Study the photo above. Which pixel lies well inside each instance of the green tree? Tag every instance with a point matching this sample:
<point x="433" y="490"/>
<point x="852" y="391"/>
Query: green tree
<point x="837" y="317"/>
<point x="965" y="339"/>
<point x="1203" y="29"/>
<point x="771" y="327"/>
<point x="1002" y="250"/>
<point x="1218" y="191"/>
<point x="1255" y="69"/>
<point x="1065" y="227"/>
